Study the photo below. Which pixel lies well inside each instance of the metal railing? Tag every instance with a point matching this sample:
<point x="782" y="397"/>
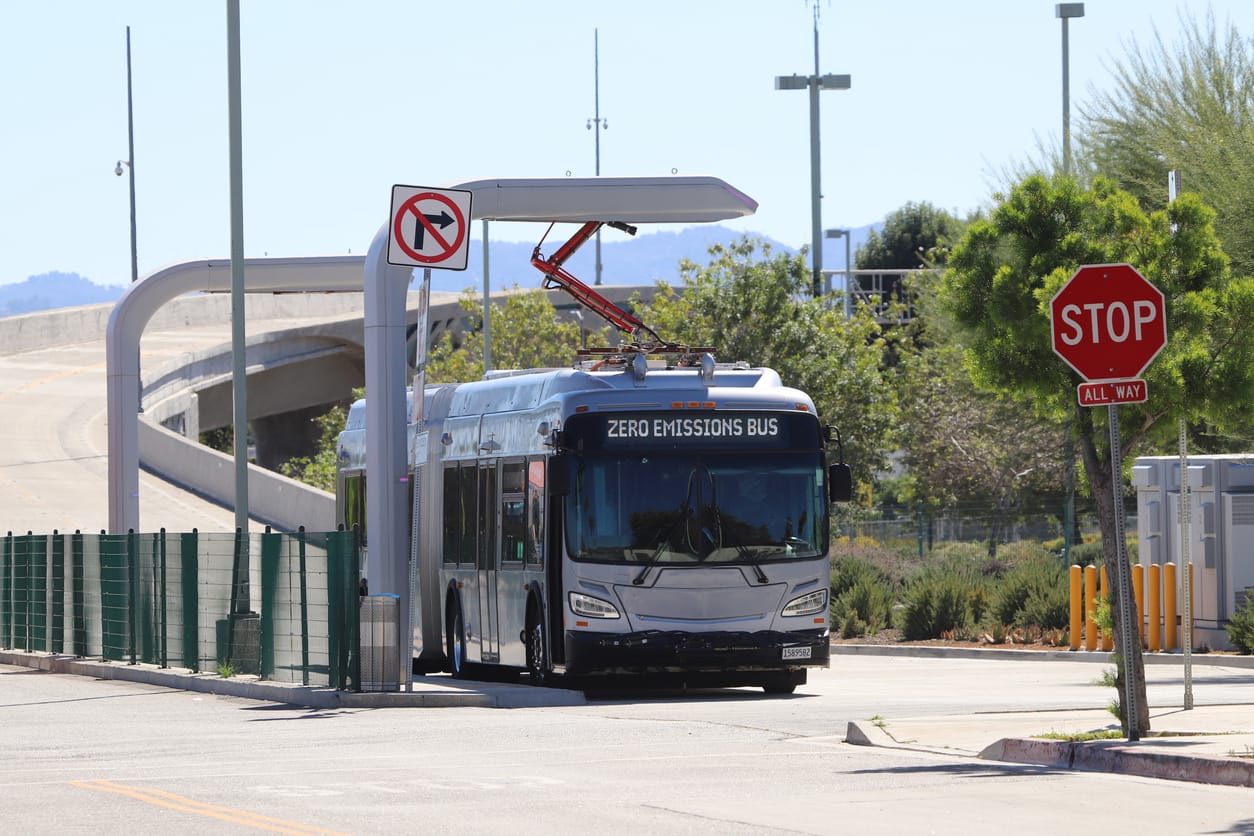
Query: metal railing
<point x="880" y="290"/>
<point x="189" y="600"/>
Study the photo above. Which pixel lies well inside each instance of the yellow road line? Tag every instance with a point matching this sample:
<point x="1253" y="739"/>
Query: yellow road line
<point x="169" y="800"/>
<point x="50" y="378"/>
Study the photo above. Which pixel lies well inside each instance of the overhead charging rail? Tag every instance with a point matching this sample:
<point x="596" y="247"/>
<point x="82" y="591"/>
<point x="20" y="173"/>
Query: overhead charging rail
<point x="644" y="340"/>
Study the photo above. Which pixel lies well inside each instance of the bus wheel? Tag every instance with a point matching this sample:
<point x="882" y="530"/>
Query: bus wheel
<point x="780" y="685"/>
<point x="455" y="643"/>
<point x="537" y="663"/>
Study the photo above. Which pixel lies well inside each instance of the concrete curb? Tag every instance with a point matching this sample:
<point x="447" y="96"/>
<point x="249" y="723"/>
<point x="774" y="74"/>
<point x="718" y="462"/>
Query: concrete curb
<point x="427" y="693"/>
<point x="1123" y="758"/>
<point x="929" y="651"/>
<point x="871" y="734"/>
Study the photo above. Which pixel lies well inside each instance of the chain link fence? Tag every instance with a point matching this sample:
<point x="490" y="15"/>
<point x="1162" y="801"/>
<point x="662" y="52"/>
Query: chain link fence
<point x="283" y="607"/>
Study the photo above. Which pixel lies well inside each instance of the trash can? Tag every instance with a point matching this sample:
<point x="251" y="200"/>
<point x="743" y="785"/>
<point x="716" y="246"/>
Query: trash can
<point x="380" y="648"/>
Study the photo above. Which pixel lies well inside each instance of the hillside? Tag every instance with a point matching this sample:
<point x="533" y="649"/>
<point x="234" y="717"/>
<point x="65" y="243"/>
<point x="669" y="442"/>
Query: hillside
<point x="53" y="290"/>
<point x="643" y="259"/>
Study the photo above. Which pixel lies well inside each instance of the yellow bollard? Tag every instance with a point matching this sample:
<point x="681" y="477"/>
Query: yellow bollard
<point x="1090" y="604"/>
<point x="1076" y="578"/>
<point x="1138" y="592"/>
<point x="1153" y="607"/>
<point x="1169" y="606"/>
<point x="1108" y="640"/>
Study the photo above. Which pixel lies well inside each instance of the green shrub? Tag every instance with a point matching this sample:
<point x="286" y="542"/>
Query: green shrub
<point x="890" y="564"/>
<point x="862" y="597"/>
<point x="851" y="627"/>
<point x="936" y="601"/>
<point x="978" y="599"/>
<point x="1034" y="592"/>
<point x="956" y="551"/>
<point x="1087" y="554"/>
<point x="1022" y="551"/>
<point x="871" y="601"/>
<point x="849" y="569"/>
<point x="1241" y="627"/>
<point x="1049" y="609"/>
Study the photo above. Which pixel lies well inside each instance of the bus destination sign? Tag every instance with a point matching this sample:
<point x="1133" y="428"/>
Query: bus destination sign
<point x="706" y="426"/>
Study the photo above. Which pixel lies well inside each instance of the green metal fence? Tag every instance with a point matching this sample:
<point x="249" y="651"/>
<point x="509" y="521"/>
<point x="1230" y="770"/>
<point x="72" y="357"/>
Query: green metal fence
<point x="281" y="606"/>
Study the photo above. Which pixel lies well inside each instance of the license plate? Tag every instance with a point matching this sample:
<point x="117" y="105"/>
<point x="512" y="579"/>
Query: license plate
<point x="796" y="653"/>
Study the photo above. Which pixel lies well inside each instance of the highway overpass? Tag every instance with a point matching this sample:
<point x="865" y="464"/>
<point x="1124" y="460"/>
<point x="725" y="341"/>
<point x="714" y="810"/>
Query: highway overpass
<point x="304" y="351"/>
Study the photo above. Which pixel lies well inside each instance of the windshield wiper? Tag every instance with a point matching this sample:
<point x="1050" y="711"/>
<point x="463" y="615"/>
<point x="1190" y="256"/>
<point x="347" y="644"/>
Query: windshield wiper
<point x="685" y="511"/>
<point x="742" y="551"/>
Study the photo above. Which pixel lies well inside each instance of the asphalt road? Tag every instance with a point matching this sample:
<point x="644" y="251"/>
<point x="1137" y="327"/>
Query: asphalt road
<point x="53" y="455"/>
<point x="103" y="757"/>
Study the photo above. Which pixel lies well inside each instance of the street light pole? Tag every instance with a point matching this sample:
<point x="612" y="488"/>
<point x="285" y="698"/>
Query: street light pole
<point x="814" y="83"/>
<point x="130" y="158"/>
<point x="596" y="124"/>
<point x="1064" y="12"/>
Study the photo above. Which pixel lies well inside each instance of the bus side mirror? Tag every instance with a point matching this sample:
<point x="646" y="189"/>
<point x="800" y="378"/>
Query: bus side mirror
<point x="558" y="476"/>
<point x="839" y="483"/>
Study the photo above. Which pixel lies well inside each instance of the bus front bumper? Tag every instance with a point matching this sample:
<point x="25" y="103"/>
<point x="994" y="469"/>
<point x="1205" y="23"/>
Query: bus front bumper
<point x="658" y="651"/>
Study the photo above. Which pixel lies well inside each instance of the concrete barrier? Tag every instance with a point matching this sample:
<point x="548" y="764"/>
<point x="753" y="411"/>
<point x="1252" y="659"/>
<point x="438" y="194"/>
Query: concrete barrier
<point x="274" y="499"/>
<point x="45" y="329"/>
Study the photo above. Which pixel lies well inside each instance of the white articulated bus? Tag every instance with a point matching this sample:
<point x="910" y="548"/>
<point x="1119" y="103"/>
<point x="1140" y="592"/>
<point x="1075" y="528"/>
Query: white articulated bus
<point x="618" y="517"/>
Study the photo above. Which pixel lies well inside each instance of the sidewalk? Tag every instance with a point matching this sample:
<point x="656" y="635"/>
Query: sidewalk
<point x="1211" y="744"/>
<point x="425" y="692"/>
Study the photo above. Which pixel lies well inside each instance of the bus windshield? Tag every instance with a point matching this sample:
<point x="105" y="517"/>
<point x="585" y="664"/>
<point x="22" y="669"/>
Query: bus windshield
<point x="709" y="506"/>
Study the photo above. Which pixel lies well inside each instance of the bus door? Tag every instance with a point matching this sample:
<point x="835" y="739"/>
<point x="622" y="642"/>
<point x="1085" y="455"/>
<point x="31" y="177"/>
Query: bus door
<point x="489" y="631"/>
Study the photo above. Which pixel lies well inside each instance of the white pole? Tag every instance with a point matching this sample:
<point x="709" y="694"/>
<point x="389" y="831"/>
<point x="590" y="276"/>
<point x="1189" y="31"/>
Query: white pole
<point x="1186" y="521"/>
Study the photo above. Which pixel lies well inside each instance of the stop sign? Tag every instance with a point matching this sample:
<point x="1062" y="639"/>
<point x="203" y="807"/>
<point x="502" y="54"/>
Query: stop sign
<point x="1108" y="322"/>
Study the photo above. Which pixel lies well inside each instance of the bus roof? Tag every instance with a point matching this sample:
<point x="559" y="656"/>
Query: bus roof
<point x="676" y="199"/>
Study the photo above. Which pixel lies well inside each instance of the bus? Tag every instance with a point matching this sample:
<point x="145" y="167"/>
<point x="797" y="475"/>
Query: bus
<point x="625" y="517"/>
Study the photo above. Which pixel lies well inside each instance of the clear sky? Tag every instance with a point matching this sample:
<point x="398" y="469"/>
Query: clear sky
<point x="343" y="99"/>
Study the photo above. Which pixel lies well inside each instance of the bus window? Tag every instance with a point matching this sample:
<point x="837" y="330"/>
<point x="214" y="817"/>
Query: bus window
<point x="487" y="516"/>
<point x="535" y="512"/>
<point x="468" y="514"/>
<point x="452" y="515"/>
<point x="513" y="514"/>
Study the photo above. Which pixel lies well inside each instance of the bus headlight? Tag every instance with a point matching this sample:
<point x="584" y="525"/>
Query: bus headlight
<point x="590" y="607"/>
<point x="807" y="604"/>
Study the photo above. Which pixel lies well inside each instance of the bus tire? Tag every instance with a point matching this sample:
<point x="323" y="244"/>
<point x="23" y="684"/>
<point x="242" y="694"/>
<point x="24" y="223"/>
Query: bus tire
<point x="455" y="642"/>
<point x="780" y="685"/>
<point x="537" y="658"/>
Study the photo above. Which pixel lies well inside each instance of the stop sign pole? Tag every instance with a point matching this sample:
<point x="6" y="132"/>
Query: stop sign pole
<point x="1107" y="322"/>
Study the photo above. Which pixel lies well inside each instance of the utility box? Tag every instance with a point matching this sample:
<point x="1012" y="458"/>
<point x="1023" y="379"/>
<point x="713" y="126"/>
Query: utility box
<point x="1221" y="534"/>
<point x="380" y="648"/>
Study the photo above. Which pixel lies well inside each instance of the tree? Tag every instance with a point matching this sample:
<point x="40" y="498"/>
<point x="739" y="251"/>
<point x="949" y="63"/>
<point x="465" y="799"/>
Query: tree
<point x="320" y="469"/>
<point x="1006" y="269"/>
<point x="526" y="334"/>
<point x="756" y="308"/>
<point x="961" y="443"/>
<point x="1190" y="110"/>
<point x="916" y="235"/>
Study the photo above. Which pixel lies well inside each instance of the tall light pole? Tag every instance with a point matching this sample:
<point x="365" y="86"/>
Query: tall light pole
<point x="129" y="162"/>
<point x="846" y="234"/>
<point x="239" y="374"/>
<point x="1066" y="11"/>
<point x="814" y="83"/>
<point x="596" y="124"/>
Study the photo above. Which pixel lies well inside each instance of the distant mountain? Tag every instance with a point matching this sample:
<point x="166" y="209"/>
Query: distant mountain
<point x="643" y="259"/>
<point x="53" y="290"/>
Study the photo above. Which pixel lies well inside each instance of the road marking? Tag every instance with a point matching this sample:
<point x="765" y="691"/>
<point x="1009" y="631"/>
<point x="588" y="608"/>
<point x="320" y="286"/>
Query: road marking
<point x="169" y="800"/>
<point x="50" y="378"/>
